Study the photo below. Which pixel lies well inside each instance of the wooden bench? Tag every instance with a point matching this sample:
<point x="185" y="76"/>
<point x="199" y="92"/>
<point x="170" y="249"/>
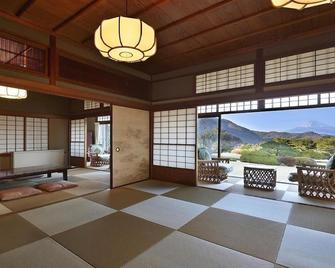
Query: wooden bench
<point x="32" y="171"/>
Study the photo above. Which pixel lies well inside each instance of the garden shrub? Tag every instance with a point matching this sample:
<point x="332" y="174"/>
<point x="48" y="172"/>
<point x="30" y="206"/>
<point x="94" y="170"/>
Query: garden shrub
<point x="259" y="157"/>
<point x="287" y="161"/>
<point x="305" y="161"/>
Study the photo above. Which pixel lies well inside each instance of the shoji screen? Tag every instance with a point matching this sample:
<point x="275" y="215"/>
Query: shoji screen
<point x="36" y="134"/>
<point x="78" y="138"/>
<point x="241" y="76"/>
<point x="174" y="138"/>
<point x="11" y="133"/>
<point x="313" y="63"/>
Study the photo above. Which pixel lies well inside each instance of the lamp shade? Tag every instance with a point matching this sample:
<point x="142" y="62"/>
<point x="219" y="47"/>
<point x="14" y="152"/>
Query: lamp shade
<point x="12" y="93"/>
<point x="125" y="39"/>
<point x="300" y="4"/>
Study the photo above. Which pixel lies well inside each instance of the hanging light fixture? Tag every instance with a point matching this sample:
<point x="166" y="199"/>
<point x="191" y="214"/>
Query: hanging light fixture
<point x="125" y="39"/>
<point x="12" y="93"/>
<point x="300" y="4"/>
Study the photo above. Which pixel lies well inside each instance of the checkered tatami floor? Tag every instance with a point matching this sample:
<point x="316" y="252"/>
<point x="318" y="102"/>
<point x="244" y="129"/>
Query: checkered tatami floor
<point x="158" y="224"/>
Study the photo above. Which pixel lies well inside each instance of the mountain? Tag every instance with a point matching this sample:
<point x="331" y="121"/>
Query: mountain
<point x="244" y="134"/>
<point x="235" y="134"/>
<point x="316" y="127"/>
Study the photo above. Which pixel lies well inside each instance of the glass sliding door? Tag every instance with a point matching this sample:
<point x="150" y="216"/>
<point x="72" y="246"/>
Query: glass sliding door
<point x="208" y="134"/>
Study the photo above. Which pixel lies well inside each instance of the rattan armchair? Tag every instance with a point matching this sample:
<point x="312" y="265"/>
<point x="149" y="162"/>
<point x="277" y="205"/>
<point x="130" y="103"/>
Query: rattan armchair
<point x="317" y="182"/>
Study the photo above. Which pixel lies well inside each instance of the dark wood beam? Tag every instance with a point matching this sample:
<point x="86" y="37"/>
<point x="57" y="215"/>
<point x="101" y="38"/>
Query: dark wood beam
<point x="24" y="7"/>
<point x="53" y="60"/>
<point x="229" y="23"/>
<point x="75" y="15"/>
<point x="252" y="34"/>
<point x="192" y="15"/>
<point x="146" y="9"/>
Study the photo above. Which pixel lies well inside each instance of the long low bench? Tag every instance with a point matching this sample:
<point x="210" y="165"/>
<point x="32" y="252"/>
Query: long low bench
<point x="33" y="171"/>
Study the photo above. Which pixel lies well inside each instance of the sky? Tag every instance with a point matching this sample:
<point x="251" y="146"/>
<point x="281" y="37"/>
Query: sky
<point x="282" y="120"/>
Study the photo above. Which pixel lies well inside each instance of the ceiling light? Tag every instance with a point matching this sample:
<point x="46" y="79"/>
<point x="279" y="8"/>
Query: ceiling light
<point x="300" y="4"/>
<point x="12" y="93"/>
<point x="125" y="39"/>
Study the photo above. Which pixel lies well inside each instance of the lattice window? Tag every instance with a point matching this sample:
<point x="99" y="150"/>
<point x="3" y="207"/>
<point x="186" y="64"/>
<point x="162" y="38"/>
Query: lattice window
<point x="294" y="101"/>
<point x="327" y="98"/>
<point x="313" y="63"/>
<point x="89" y="105"/>
<point x="77" y="144"/>
<point x="174" y="138"/>
<point x="36" y="134"/>
<point x="238" y="106"/>
<point x="22" y="55"/>
<point x="11" y="133"/>
<point x="241" y="76"/>
<point x="207" y="109"/>
<point x="105" y="118"/>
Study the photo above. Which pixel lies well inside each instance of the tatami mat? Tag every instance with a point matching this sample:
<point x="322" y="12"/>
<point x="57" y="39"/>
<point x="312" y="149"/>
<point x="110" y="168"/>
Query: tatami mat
<point x="296" y="198"/>
<point x="240" y="189"/>
<point x="180" y="250"/>
<point x="87" y="187"/>
<point x="44" y="253"/>
<point x="37" y="201"/>
<point x="153" y="186"/>
<point x="166" y="211"/>
<point x="303" y="248"/>
<point x="320" y="219"/>
<point x="197" y="195"/>
<point x="63" y="216"/>
<point x="112" y="240"/>
<point x="4" y="210"/>
<point x="16" y="231"/>
<point x="119" y="198"/>
<point x="256" y="207"/>
<point x="256" y="237"/>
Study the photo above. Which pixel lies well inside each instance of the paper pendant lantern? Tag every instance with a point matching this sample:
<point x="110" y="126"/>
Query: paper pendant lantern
<point x="300" y="4"/>
<point x="12" y="93"/>
<point x="125" y="39"/>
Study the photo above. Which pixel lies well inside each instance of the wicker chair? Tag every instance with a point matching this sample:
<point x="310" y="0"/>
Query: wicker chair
<point x="98" y="161"/>
<point x="317" y="182"/>
<point x="212" y="171"/>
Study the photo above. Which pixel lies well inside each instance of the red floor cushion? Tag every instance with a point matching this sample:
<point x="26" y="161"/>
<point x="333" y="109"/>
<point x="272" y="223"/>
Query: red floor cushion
<point x="18" y="192"/>
<point x="56" y="186"/>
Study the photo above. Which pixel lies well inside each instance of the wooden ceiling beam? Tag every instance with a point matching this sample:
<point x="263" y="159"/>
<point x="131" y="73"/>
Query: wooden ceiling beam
<point x="75" y="15"/>
<point x="24" y="7"/>
<point x="225" y="24"/>
<point x="268" y="29"/>
<point x="192" y="15"/>
<point x="146" y="9"/>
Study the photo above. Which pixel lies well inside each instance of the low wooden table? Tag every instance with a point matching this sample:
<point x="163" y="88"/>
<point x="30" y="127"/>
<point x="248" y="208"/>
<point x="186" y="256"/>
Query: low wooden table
<point x="260" y="178"/>
<point x="33" y="171"/>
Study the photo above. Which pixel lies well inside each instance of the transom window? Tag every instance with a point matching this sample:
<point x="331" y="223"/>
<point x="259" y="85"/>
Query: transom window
<point x="241" y="76"/>
<point x="309" y="64"/>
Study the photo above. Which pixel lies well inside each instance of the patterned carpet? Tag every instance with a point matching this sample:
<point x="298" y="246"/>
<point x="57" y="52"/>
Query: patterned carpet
<point x="159" y="224"/>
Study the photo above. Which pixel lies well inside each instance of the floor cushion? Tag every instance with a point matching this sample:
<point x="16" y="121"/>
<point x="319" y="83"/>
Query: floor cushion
<point x="18" y="192"/>
<point x="331" y="163"/>
<point x="56" y="186"/>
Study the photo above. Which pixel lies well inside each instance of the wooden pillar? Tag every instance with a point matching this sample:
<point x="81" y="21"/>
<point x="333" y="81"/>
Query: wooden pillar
<point x="52" y="60"/>
<point x="260" y="75"/>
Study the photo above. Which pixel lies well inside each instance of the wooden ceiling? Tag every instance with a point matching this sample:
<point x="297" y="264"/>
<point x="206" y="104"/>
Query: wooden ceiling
<point x="189" y="32"/>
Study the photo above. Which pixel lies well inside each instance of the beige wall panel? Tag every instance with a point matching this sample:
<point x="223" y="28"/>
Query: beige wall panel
<point x="131" y="135"/>
<point x="59" y="135"/>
